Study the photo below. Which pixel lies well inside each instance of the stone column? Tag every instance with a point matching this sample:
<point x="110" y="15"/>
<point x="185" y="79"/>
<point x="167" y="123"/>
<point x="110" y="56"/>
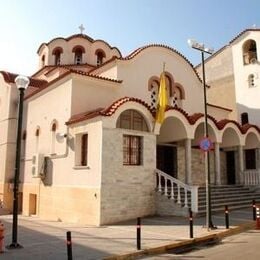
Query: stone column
<point x="188" y="177"/>
<point x="217" y="165"/>
<point x="240" y="164"/>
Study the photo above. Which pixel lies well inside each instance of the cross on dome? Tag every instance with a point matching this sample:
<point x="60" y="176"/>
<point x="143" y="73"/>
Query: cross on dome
<point x="81" y="28"/>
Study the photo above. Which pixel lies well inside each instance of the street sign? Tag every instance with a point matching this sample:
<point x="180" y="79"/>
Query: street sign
<point x="205" y="144"/>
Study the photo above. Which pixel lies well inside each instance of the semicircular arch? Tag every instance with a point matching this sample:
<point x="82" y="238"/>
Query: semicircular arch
<point x="214" y="133"/>
<point x="130" y="105"/>
<point x="231" y="136"/>
<point x="252" y="139"/>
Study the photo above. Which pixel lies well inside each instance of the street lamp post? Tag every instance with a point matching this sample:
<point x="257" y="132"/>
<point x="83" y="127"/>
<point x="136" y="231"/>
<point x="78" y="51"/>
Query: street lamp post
<point x="203" y="49"/>
<point x="22" y="83"/>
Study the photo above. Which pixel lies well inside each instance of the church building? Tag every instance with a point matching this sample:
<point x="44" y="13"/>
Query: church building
<point x="91" y="150"/>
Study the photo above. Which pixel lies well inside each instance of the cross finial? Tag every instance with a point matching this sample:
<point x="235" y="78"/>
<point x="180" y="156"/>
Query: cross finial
<point x="81" y="28"/>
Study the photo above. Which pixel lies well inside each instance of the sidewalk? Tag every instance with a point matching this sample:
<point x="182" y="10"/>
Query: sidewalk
<point x="47" y="239"/>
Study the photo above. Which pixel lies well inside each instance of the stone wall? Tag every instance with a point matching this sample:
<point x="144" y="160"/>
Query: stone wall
<point x="198" y="166"/>
<point x="127" y="191"/>
<point x="219" y="73"/>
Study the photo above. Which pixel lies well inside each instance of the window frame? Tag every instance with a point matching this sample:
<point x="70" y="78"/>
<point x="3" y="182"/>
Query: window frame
<point x="130" y="118"/>
<point x="132" y="150"/>
<point x="84" y="150"/>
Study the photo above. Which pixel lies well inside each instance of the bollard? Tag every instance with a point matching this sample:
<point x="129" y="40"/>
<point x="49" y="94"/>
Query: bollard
<point x="1" y="237"/>
<point x="257" y="216"/>
<point x="138" y="234"/>
<point x="191" y="224"/>
<point x="69" y="245"/>
<point x="254" y="210"/>
<point x="227" y="217"/>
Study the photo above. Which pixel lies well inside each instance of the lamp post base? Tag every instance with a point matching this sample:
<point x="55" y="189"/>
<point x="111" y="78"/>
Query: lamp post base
<point x="14" y="246"/>
<point x="210" y="226"/>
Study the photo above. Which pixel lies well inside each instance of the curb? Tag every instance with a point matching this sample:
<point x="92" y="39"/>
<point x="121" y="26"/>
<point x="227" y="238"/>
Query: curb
<point x="183" y="244"/>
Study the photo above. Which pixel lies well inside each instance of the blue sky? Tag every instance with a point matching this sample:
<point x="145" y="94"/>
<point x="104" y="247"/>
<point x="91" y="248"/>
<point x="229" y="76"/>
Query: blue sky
<point x="126" y="24"/>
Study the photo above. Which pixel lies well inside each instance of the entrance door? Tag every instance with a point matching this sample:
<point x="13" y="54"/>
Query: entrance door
<point x="167" y="159"/>
<point x="231" y="167"/>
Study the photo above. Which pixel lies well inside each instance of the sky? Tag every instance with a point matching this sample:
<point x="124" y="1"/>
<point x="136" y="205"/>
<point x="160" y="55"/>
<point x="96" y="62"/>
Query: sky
<point x="125" y="24"/>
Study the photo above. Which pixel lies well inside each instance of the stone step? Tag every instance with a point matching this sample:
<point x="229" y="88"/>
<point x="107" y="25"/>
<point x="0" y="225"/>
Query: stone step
<point x="234" y="197"/>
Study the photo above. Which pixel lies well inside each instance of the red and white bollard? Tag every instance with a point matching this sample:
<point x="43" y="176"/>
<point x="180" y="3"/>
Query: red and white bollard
<point x="257" y="217"/>
<point x="1" y="237"/>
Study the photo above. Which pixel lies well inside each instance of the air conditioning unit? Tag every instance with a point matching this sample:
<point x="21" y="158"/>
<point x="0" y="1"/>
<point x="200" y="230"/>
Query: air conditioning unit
<point x="38" y="165"/>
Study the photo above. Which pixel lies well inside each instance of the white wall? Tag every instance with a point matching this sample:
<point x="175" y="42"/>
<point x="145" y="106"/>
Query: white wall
<point x="247" y="98"/>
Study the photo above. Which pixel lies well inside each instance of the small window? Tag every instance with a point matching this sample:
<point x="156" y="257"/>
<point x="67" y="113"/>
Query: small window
<point x="43" y="60"/>
<point x="57" y="55"/>
<point x="249" y="52"/>
<point x="244" y="118"/>
<point x="251" y="81"/>
<point x="24" y="135"/>
<point x="57" y="58"/>
<point x="37" y="134"/>
<point x="53" y="137"/>
<point x="78" y="57"/>
<point x="100" y="56"/>
<point x="84" y="150"/>
<point x="132" y="150"/>
<point x="154" y="88"/>
<point x="250" y="156"/>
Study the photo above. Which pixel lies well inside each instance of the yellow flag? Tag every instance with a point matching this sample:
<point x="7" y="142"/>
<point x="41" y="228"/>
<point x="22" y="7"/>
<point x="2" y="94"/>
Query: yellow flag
<point x="162" y="100"/>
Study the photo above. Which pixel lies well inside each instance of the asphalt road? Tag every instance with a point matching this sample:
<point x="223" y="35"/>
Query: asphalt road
<point x="245" y="246"/>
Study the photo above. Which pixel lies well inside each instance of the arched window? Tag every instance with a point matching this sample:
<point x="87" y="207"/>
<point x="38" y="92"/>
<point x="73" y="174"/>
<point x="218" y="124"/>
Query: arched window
<point x="169" y="84"/>
<point x="100" y="56"/>
<point x="154" y="89"/>
<point x="24" y="135"/>
<point x="251" y="81"/>
<point x="53" y="137"/>
<point x="132" y="119"/>
<point x="132" y="144"/>
<point x="244" y="118"/>
<point x="249" y="52"/>
<point x="178" y="95"/>
<point x="43" y="60"/>
<point x="78" y="57"/>
<point x="37" y="134"/>
<point x="57" y="55"/>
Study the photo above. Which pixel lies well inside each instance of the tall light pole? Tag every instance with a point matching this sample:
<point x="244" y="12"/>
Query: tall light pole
<point x="201" y="47"/>
<point x="22" y="83"/>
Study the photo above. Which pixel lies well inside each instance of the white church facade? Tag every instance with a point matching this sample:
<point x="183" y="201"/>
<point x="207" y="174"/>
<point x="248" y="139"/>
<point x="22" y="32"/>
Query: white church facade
<point x="90" y="152"/>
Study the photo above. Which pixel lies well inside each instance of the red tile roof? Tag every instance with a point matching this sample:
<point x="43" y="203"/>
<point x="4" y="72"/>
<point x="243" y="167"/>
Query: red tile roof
<point x="83" y="36"/>
<point x="10" y="77"/>
<point x="106" y="112"/>
<point x="68" y="71"/>
<point x="192" y="119"/>
<point x="84" y="116"/>
<point x="34" y="84"/>
<point x="80" y="72"/>
<point x="137" y="51"/>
